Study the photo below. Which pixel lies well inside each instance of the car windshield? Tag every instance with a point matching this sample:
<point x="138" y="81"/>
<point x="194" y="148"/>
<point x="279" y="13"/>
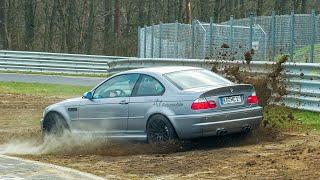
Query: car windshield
<point x="195" y="78"/>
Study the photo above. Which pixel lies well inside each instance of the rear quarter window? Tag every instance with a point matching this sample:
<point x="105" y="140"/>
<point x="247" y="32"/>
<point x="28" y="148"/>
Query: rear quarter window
<point x="149" y="86"/>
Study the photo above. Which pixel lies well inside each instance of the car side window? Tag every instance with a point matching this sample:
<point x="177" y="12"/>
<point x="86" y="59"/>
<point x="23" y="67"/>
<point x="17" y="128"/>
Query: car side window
<point x="119" y="86"/>
<point x="149" y="86"/>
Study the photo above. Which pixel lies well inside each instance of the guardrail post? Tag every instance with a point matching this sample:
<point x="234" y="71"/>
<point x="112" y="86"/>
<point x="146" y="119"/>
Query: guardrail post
<point x="139" y="43"/>
<point x="193" y="26"/>
<point x="176" y="50"/>
<point x="313" y="38"/>
<point x="292" y="36"/>
<point x="211" y="37"/>
<point x="160" y="40"/>
<point x="273" y="34"/>
<point x="251" y="31"/>
<point x="152" y="41"/>
<point x="145" y="42"/>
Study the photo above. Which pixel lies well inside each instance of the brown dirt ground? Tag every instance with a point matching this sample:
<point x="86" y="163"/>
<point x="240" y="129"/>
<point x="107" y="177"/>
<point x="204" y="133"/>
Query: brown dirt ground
<point x="265" y="154"/>
<point x="20" y="115"/>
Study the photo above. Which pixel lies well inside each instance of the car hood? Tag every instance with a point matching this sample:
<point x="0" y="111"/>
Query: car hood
<point x="72" y="101"/>
<point x="67" y="102"/>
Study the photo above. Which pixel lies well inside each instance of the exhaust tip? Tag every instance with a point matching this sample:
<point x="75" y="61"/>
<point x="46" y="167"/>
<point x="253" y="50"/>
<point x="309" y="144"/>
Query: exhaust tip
<point x="221" y="132"/>
<point x="246" y="129"/>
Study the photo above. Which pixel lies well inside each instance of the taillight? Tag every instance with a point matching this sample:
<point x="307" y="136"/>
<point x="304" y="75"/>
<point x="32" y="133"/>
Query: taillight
<point x="202" y="104"/>
<point x="253" y="99"/>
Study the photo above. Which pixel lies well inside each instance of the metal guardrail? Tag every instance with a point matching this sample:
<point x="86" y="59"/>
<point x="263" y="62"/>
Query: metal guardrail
<point x="302" y="79"/>
<point x="55" y="62"/>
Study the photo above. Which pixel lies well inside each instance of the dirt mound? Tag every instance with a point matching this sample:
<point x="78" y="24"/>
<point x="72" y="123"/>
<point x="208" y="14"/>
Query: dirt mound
<point x="269" y="86"/>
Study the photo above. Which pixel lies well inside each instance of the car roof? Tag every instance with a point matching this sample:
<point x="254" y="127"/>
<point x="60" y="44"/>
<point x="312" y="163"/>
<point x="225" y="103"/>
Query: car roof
<point x="162" y="69"/>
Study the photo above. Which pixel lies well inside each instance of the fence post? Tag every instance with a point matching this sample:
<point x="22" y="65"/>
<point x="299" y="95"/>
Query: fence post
<point x="231" y="36"/>
<point x="313" y="38"/>
<point x="211" y="40"/>
<point x="176" y="50"/>
<point x="193" y="26"/>
<point x="251" y="31"/>
<point x="273" y="31"/>
<point x="152" y="41"/>
<point x="292" y="36"/>
<point x="145" y="42"/>
<point x="160" y="40"/>
<point x="139" y="43"/>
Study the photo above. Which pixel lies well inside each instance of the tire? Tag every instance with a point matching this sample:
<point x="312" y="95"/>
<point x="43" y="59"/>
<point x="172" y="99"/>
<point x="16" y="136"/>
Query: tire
<point x="160" y="129"/>
<point x="54" y="125"/>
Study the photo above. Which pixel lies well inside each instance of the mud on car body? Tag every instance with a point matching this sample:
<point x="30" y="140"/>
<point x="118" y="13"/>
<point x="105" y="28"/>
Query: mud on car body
<point x="158" y="104"/>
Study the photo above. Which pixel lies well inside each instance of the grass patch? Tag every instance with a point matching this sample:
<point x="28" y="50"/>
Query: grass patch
<point x="57" y="74"/>
<point x="303" y="54"/>
<point x="308" y="118"/>
<point x="42" y="89"/>
<point x="284" y="118"/>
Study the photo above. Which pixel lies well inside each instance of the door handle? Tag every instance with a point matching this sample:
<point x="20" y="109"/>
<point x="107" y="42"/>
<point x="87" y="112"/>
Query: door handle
<point x="123" y="102"/>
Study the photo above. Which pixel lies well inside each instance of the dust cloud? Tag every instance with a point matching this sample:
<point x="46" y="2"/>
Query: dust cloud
<point x="88" y="144"/>
<point x="67" y="143"/>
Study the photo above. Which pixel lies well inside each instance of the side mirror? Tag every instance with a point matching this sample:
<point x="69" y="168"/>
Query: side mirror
<point x="88" y="95"/>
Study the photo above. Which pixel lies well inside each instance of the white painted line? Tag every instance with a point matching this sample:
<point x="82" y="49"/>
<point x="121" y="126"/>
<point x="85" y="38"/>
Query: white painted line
<point x="87" y="175"/>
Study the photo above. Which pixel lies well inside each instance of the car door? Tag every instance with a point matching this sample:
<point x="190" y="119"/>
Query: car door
<point x="107" y="111"/>
<point x="147" y="94"/>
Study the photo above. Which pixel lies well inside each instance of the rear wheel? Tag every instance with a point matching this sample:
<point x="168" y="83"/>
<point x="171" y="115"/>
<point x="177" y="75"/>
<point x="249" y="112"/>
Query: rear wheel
<point x="54" y="124"/>
<point x="160" y="129"/>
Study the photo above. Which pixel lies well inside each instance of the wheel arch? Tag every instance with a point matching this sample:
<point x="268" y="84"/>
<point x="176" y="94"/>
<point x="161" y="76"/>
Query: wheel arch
<point x="46" y="119"/>
<point x="167" y="117"/>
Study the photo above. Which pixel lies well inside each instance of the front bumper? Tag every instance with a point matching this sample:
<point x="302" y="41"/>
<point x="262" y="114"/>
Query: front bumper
<point x="41" y="124"/>
<point x="207" y="124"/>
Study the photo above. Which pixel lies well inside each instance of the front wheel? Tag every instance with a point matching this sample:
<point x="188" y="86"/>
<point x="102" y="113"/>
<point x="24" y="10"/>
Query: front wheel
<point x="54" y="125"/>
<point x="160" y="129"/>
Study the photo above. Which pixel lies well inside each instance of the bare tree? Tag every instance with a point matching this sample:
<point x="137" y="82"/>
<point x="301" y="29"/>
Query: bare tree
<point x="63" y="24"/>
<point x="141" y="12"/>
<point x="3" y="30"/>
<point x="52" y="20"/>
<point x="217" y="10"/>
<point x="107" y="24"/>
<point x="259" y="7"/>
<point x="303" y="6"/>
<point x="117" y="25"/>
<point x="84" y="19"/>
<point x="280" y="6"/>
<point x="30" y="6"/>
<point x="150" y="12"/>
<point x="242" y="11"/>
<point x="188" y="12"/>
<point x="71" y="27"/>
<point x="89" y="34"/>
<point x="180" y="11"/>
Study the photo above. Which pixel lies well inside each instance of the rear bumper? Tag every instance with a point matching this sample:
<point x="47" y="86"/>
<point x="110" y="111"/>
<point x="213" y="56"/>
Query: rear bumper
<point x="207" y="124"/>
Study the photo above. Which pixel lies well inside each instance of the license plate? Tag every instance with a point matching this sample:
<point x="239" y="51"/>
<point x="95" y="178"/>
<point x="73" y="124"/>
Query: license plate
<point x="231" y="100"/>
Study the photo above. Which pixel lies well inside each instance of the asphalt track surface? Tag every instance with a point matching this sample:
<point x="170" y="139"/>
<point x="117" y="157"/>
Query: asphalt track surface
<point x="50" y="79"/>
<point x="12" y="168"/>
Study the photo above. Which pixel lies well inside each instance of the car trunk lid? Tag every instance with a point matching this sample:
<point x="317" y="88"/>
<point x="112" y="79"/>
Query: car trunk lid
<point x="228" y="97"/>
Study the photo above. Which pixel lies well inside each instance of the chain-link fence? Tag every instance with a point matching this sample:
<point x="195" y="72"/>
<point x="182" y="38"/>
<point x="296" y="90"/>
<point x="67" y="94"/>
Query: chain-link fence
<point x="252" y="38"/>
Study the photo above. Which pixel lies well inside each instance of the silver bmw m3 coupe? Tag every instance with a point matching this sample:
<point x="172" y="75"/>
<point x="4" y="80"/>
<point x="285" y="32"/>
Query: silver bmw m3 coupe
<point x="158" y="104"/>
